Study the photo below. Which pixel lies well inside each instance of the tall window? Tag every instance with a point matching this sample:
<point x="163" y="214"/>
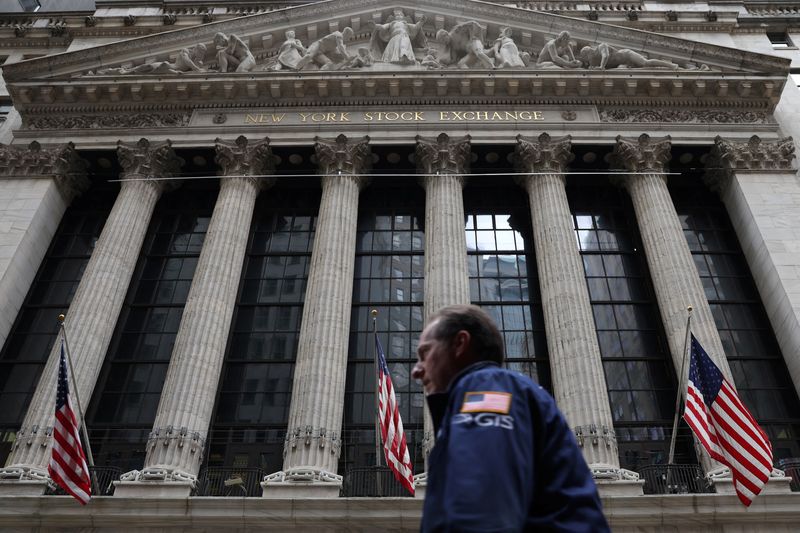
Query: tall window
<point x="502" y="273"/>
<point x="758" y="368"/>
<point x="639" y="371"/>
<point x="28" y="346"/>
<point x="389" y="278"/>
<point x="252" y="409"/>
<point x="126" y="398"/>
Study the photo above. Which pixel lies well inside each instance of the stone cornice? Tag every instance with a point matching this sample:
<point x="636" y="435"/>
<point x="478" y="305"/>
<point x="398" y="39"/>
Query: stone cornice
<point x="443" y="155"/>
<point x="338" y="13"/>
<point x="754" y="155"/>
<point x="242" y="158"/>
<point x="644" y="154"/>
<point x="342" y="156"/>
<point x="543" y="155"/>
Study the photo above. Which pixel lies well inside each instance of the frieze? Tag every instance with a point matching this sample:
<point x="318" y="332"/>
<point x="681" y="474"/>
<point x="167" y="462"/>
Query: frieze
<point x="127" y="121"/>
<point x="690" y="116"/>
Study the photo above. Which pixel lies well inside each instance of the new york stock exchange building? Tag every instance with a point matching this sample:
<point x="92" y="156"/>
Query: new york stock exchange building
<point x="217" y="195"/>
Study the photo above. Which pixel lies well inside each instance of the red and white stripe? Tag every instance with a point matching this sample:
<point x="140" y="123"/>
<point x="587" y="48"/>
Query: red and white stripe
<point x="68" y="462"/>
<point x="394" y="438"/>
<point x="731" y="436"/>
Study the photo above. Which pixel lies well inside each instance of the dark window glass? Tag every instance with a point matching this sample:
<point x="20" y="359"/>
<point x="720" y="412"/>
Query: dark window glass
<point x="758" y="367"/>
<point x="639" y="373"/>
<point x="127" y="394"/>
<point x="388" y="278"/>
<point x="252" y="410"/>
<point x="32" y="335"/>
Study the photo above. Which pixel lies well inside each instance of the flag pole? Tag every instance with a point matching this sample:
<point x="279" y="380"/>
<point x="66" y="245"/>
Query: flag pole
<point x="374" y="314"/>
<point x="680" y="387"/>
<point x="89" y="457"/>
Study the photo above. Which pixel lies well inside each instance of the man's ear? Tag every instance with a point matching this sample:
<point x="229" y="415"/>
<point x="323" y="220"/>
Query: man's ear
<point x="461" y="344"/>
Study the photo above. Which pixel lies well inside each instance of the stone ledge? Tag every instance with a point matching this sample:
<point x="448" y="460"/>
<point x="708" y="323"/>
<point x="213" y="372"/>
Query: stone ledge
<point x="152" y="489"/>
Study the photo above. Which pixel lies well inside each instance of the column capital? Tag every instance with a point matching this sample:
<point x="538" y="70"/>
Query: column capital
<point x="243" y="158"/>
<point x="644" y="154"/>
<point x="342" y="156"/>
<point x="60" y="161"/>
<point x="544" y="154"/>
<point x="443" y="155"/>
<point x="146" y="160"/>
<point x="753" y="154"/>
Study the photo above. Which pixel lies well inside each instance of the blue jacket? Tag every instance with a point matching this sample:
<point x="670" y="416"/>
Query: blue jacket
<point x="505" y="460"/>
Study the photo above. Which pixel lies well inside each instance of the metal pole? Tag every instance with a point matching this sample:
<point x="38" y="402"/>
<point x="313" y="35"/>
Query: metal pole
<point x="81" y="419"/>
<point x="374" y="314"/>
<point x="671" y="457"/>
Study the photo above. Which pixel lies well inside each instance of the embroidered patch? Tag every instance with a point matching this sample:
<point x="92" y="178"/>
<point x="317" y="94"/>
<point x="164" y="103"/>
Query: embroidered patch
<point x="486" y="402"/>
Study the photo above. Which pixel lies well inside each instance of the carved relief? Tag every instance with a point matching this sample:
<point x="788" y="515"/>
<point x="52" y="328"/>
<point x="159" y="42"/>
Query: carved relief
<point x="543" y="155"/>
<point x="754" y="154"/>
<point x="188" y="60"/>
<point x="397" y="40"/>
<point x="328" y="53"/>
<point x="706" y="116"/>
<point x="505" y="51"/>
<point x="240" y="158"/>
<point x="290" y="53"/>
<point x="443" y="155"/>
<point x="143" y="120"/>
<point x="148" y="160"/>
<point x="603" y="56"/>
<point x="342" y="156"/>
<point x="557" y="53"/>
<point x="644" y="154"/>
<point x="464" y="46"/>
<point x="233" y="55"/>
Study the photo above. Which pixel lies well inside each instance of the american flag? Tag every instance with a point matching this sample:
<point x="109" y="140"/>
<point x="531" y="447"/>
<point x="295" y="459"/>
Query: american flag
<point x="394" y="438"/>
<point x="725" y="428"/>
<point x="67" y="465"/>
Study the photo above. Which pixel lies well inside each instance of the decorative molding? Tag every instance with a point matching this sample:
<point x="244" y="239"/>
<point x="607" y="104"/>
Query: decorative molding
<point x="126" y="121"/>
<point x="691" y="116"/>
<point x="341" y="156"/>
<point x="240" y="158"/>
<point x="148" y="161"/>
<point x="543" y="155"/>
<point x="443" y="155"/>
<point x="61" y="162"/>
<point x="644" y="154"/>
<point x="308" y="436"/>
<point x="754" y="154"/>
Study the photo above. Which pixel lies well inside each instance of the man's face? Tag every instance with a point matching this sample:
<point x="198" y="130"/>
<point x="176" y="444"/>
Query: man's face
<point x="436" y="361"/>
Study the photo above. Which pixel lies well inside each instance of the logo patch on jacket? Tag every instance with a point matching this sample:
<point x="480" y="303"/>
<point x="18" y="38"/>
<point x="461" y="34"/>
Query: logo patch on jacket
<point x="486" y="402"/>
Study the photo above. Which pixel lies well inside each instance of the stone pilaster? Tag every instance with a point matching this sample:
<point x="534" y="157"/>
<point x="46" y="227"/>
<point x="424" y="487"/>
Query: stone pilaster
<point x="758" y="185"/>
<point x="443" y="162"/>
<point x="675" y="278"/>
<point x="94" y="310"/>
<point x="36" y="186"/>
<point x="579" y="382"/>
<point x="313" y="439"/>
<point x="176" y="444"/>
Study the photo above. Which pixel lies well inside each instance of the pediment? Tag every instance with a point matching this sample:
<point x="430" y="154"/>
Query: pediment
<point x="184" y="65"/>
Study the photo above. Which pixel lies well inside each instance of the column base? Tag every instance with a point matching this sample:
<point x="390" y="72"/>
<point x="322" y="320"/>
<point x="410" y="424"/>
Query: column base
<point x="301" y="482"/>
<point x="152" y="489"/>
<point x="614" y="481"/>
<point x="420" y="485"/>
<point x="22" y="487"/>
<point x="775" y="485"/>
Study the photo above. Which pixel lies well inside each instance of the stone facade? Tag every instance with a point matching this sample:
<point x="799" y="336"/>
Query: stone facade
<point x="645" y="83"/>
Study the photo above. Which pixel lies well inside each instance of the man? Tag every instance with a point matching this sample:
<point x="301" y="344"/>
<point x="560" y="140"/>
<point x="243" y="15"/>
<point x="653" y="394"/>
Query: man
<point x="557" y="53"/>
<point x="329" y="52"/>
<point x="233" y="54"/>
<point x="604" y="57"/>
<point x="505" y="459"/>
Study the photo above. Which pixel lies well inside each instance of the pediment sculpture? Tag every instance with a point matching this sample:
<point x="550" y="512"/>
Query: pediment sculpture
<point x="401" y="43"/>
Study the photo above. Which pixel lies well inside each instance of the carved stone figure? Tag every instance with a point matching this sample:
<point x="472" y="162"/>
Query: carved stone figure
<point x="396" y="40"/>
<point x="557" y="53"/>
<point x="362" y="59"/>
<point x="233" y="55"/>
<point x="603" y="56"/>
<point x="464" y="46"/>
<point x="328" y="53"/>
<point x="506" y="53"/>
<point x="188" y="60"/>
<point x="290" y="53"/>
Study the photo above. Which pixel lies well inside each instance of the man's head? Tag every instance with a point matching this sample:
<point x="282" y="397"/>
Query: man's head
<point x="220" y="40"/>
<point x="454" y="338"/>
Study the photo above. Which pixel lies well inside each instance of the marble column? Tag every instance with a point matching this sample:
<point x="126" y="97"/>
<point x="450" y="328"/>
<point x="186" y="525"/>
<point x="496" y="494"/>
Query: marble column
<point x="36" y="186"/>
<point x="313" y="439"/>
<point x="672" y="269"/>
<point x="759" y="187"/>
<point x="176" y="444"/>
<point x="443" y="163"/>
<point x="579" y="383"/>
<point x="95" y="307"/>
